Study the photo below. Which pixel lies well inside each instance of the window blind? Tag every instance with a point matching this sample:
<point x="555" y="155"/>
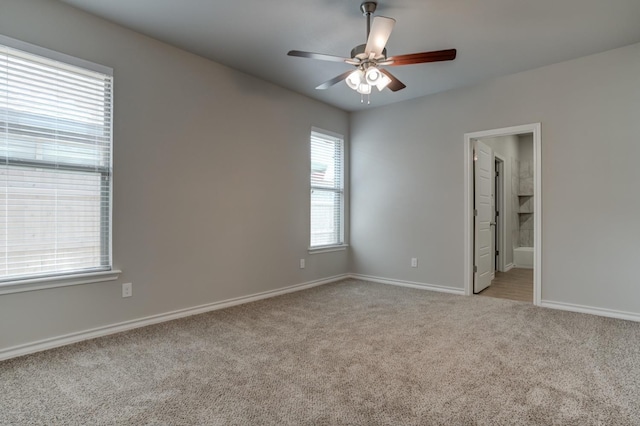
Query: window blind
<point x="55" y="166"/>
<point x="327" y="190"/>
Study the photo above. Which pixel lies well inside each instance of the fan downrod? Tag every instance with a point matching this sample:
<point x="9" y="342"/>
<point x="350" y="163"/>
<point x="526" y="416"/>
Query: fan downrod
<point x="367" y="8"/>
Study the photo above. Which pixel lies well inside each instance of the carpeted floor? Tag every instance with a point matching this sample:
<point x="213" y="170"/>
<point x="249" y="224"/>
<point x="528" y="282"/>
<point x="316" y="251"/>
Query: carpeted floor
<point x="347" y="353"/>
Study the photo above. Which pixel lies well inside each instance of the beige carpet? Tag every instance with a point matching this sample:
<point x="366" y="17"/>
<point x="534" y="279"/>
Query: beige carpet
<point x="347" y="353"/>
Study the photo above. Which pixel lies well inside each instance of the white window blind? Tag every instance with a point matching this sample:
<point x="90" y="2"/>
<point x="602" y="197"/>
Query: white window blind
<point x="55" y="166"/>
<point x="327" y="191"/>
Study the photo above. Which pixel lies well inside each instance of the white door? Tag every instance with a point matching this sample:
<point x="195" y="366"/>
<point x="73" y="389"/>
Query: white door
<point x="483" y="258"/>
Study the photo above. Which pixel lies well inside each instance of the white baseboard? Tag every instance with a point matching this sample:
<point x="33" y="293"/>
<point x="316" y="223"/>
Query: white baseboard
<point x="610" y="313"/>
<point x="508" y="267"/>
<point x="411" y="284"/>
<point x="523" y="266"/>
<point x="70" y="338"/>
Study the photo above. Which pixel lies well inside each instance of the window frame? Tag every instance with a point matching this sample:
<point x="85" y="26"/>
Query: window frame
<point x="104" y="272"/>
<point x="340" y="191"/>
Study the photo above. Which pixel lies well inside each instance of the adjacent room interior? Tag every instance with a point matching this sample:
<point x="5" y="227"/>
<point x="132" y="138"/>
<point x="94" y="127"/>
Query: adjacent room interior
<point x="204" y="221"/>
<point x="504" y="183"/>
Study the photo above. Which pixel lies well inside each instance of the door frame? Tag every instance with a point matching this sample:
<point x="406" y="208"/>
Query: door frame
<point x="535" y="129"/>
<point x="500" y="205"/>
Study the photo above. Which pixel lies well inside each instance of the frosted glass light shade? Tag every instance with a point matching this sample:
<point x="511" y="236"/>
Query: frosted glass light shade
<point x="383" y="82"/>
<point x="373" y="75"/>
<point x="355" y="79"/>
<point x="364" y="89"/>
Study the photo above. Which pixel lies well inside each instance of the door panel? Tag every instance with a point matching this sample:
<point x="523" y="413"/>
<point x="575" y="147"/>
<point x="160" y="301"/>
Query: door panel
<point x="483" y="172"/>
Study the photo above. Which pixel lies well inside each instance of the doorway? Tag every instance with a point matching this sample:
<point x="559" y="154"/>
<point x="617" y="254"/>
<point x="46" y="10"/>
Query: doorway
<point x="493" y="207"/>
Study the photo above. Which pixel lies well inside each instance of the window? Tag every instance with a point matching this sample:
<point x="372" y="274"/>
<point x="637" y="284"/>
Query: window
<point x="327" y="190"/>
<point x="55" y="164"/>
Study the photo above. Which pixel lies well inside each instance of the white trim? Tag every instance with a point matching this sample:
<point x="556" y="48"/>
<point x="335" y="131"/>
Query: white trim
<point x="410" y="284"/>
<point x="534" y="128"/>
<point x="609" y="313"/>
<point x="537" y="217"/>
<point x="524" y="266"/>
<point x="328" y="133"/>
<point x="328" y="249"/>
<point x="67" y="339"/>
<point x="43" y="283"/>
<point x="502" y="221"/>
<point x="508" y="267"/>
<point x="53" y="55"/>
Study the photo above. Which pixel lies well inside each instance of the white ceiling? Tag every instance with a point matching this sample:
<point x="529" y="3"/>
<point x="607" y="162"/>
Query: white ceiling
<point x="493" y="37"/>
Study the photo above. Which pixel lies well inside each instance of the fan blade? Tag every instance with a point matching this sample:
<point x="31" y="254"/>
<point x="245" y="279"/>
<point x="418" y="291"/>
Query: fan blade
<point x="420" y="58"/>
<point x="334" y="80"/>
<point x="319" y="56"/>
<point x="380" y="32"/>
<point x="395" y="84"/>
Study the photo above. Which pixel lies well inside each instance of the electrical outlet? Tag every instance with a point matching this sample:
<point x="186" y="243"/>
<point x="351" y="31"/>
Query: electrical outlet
<point x="414" y="262"/>
<point x="127" y="290"/>
<point x="302" y="263"/>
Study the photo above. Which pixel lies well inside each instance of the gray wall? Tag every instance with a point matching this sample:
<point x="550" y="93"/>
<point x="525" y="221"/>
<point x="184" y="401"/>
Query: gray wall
<point x="211" y="175"/>
<point x="407" y="178"/>
<point x="525" y="148"/>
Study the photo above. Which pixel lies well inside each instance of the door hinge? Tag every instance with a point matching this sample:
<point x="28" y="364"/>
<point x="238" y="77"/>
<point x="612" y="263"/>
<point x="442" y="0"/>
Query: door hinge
<point x="497" y="252"/>
<point x="475" y="212"/>
<point x="475" y="268"/>
<point x="497" y="173"/>
<point x="497" y="213"/>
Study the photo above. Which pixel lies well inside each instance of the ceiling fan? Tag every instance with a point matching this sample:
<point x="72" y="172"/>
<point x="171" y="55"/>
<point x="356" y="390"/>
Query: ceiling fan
<point x="370" y="57"/>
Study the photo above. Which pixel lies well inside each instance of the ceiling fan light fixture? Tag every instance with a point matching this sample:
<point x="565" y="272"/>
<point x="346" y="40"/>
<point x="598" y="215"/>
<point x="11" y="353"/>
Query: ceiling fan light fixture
<point x="373" y="75"/>
<point x="355" y="79"/>
<point x="364" y="89"/>
<point x="382" y="82"/>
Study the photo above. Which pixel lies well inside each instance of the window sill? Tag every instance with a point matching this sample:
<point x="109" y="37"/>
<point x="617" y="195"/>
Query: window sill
<point x="327" y="249"/>
<point x="22" y="286"/>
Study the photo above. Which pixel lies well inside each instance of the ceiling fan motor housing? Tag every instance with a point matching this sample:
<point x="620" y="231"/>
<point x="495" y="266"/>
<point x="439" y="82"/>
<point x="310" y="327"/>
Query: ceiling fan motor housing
<point x="359" y="52"/>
